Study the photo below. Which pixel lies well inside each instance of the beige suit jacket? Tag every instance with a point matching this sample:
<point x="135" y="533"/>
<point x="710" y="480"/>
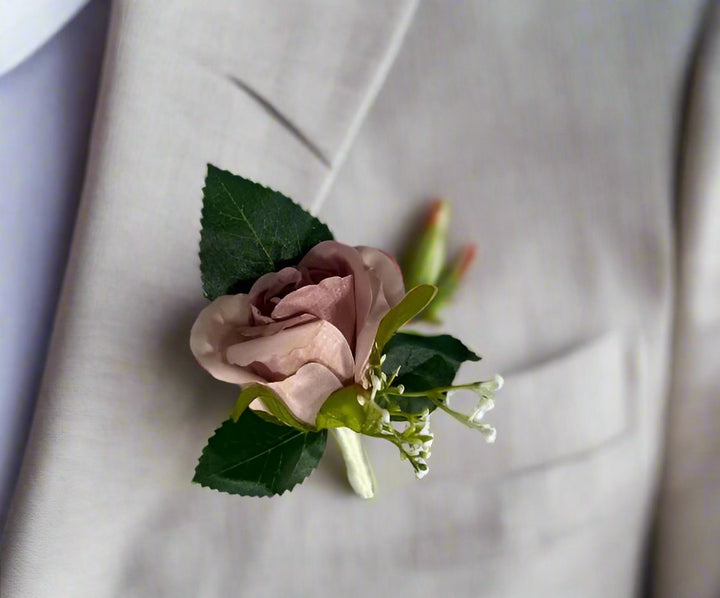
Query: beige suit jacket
<point x="553" y="127"/>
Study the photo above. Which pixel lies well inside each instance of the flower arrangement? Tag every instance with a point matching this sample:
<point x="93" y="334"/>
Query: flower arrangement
<point x="309" y="329"/>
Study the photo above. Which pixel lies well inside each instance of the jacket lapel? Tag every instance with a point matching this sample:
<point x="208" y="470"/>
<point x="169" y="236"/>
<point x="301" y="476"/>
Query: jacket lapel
<point x="273" y="91"/>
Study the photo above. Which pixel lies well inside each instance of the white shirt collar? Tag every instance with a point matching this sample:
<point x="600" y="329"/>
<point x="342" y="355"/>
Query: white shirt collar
<point x="25" y="25"/>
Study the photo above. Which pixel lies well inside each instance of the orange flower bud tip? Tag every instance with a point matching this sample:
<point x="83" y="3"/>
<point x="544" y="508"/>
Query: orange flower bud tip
<point x="438" y="214"/>
<point x="467" y="257"/>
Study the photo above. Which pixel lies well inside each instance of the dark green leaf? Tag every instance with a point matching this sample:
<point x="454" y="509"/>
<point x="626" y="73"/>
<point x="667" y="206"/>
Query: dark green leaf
<point x="425" y="362"/>
<point x="253" y="457"/>
<point x="249" y="230"/>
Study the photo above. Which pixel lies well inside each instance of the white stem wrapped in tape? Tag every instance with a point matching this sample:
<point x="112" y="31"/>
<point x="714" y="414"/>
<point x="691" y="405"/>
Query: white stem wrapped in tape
<point x="359" y="471"/>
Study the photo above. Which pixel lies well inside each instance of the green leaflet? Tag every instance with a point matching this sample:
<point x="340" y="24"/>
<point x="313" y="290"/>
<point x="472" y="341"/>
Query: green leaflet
<point x="272" y="401"/>
<point x="342" y="410"/>
<point x="247" y="396"/>
<point x="425" y="362"/>
<point x="249" y="230"/>
<point x="253" y="457"/>
<point x="416" y="300"/>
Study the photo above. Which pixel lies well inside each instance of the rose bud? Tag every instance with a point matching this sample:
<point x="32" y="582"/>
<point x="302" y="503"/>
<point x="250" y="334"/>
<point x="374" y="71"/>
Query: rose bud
<point x="424" y="262"/>
<point x="449" y="281"/>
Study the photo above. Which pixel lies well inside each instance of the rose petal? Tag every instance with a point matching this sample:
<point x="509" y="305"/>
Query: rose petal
<point x="305" y="392"/>
<point x="387" y="270"/>
<point x="275" y="327"/>
<point x="287" y="351"/>
<point x="388" y="289"/>
<point x="333" y="300"/>
<point x="215" y="329"/>
<point x="269" y="286"/>
<point x="366" y="338"/>
<point x="339" y="259"/>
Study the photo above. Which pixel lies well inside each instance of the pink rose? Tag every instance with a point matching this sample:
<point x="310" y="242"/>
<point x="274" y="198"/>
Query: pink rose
<point x="304" y="331"/>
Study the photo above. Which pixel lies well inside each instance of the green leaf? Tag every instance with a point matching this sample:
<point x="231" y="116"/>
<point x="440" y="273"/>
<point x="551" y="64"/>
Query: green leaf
<point x="272" y="401"/>
<point x="249" y="230"/>
<point x="425" y="362"/>
<point x="253" y="457"/>
<point x="416" y="300"/>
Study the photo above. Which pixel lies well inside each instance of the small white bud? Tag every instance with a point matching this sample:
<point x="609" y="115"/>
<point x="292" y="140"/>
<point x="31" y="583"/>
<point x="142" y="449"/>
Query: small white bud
<point x="492" y="386"/>
<point x="484" y="405"/>
<point x="489" y="433"/>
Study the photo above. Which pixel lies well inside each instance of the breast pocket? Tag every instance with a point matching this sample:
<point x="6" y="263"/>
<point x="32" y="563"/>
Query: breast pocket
<point x="563" y="456"/>
<point x="562" y="409"/>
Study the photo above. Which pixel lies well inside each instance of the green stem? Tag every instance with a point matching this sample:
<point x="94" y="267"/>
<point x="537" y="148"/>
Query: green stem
<point x="441" y="390"/>
<point x="359" y="472"/>
<point x="435" y="396"/>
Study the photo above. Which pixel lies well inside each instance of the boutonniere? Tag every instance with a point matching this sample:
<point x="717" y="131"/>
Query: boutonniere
<point x="309" y="329"/>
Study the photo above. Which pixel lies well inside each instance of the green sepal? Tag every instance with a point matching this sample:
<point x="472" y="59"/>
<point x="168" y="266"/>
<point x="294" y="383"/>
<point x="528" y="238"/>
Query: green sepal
<point x="272" y="401"/>
<point x="268" y="417"/>
<point x="249" y="230"/>
<point x="415" y="301"/>
<point x="426" y="363"/>
<point x="343" y="410"/>
<point x="252" y="457"/>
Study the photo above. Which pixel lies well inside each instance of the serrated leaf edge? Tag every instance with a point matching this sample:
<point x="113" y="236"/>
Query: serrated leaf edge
<point x="290" y="489"/>
<point x="211" y="167"/>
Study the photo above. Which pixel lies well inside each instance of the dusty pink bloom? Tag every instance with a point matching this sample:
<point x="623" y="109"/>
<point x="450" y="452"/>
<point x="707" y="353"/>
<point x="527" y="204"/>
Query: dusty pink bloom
<point x="304" y="331"/>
